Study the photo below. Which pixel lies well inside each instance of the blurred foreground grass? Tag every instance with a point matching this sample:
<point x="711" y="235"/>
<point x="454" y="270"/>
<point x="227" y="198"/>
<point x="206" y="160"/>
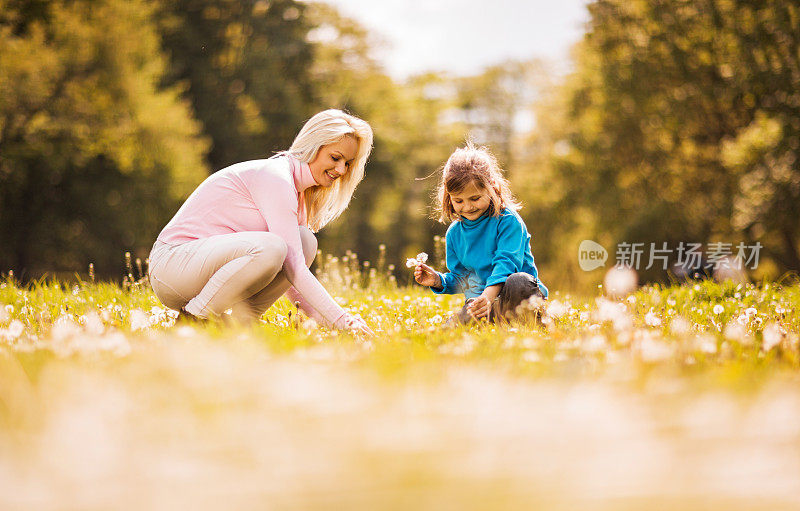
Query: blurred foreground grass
<point x="680" y="397"/>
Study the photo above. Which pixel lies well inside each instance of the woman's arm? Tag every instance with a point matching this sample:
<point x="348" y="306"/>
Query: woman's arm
<point x="276" y="199"/>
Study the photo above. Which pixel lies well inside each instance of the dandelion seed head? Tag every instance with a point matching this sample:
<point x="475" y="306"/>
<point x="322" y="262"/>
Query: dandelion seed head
<point x="620" y="281"/>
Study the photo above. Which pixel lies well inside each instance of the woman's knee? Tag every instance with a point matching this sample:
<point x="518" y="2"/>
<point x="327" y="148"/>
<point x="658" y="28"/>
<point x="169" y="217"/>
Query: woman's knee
<point x="309" y="242"/>
<point x="269" y="250"/>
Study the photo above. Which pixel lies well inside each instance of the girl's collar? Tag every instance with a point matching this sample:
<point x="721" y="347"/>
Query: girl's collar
<point x="471" y="223"/>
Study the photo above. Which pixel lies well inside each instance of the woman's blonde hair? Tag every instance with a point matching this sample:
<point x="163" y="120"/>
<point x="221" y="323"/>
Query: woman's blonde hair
<point x="470" y="164"/>
<point x="326" y="127"/>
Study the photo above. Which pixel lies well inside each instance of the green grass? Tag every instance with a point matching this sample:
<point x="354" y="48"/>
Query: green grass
<point x="680" y="396"/>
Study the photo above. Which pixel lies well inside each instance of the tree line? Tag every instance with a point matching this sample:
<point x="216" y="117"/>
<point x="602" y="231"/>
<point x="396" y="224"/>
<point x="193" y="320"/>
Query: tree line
<point x="678" y="122"/>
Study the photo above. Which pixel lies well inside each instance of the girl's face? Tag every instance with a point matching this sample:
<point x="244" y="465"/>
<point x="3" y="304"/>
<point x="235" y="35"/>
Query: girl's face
<point x="470" y="202"/>
<point x="334" y="160"/>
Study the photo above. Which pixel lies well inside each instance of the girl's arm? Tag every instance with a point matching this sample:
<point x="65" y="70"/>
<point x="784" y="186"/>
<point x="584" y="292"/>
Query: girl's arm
<point x="454" y="281"/>
<point x="509" y="257"/>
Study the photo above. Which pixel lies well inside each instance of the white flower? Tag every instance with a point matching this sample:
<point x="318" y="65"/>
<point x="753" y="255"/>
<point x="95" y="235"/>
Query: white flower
<point x="718" y="309"/>
<point x="414" y="262"/>
<point x="652" y="319"/>
<point x="556" y="309"/>
<point x="772" y="336"/>
<point x="680" y="326"/>
<point x="64" y="327"/>
<point x="139" y="320"/>
<point x="15" y="328"/>
<point x="620" y="281"/>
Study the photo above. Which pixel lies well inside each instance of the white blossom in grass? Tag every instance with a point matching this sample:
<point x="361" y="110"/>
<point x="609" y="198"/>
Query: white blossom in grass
<point x="139" y="320"/>
<point x="64" y="328"/>
<point x="737" y="332"/>
<point x="718" y="309"/>
<point x="92" y="323"/>
<point x="435" y="320"/>
<point x="615" y="312"/>
<point x="15" y="329"/>
<point x="531" y="356"/>
<point x="750" y="311"/>
<point x="651" y="319"/>
<point x="679" y="326"/>
<point x="705" y="343"/>
<point x="556" y="309"/>
<point x="620" y="281"/>
<point x="595" y="344"/>
<point x="4" y="315"/>
<point x="650" y="347"/>
<point x="772" y="335"/>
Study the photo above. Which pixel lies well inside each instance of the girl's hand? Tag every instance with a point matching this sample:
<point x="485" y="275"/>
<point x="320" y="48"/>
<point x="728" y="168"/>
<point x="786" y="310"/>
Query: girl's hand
<point x="479" y="307"/>
<point x="427" y="276"/>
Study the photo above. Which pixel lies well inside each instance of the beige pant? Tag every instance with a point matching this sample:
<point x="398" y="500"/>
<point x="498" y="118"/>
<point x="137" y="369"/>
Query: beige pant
<point x="240" y="271"/>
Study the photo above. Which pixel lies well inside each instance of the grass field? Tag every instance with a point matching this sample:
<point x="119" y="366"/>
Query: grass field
<point x="685" y="397"/>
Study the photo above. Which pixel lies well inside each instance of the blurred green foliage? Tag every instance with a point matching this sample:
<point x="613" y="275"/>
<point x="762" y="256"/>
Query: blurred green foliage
<point x="679" y="122"/>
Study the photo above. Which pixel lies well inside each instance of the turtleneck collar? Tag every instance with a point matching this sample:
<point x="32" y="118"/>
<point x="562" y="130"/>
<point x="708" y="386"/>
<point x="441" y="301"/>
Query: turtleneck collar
<point x="301" y="172"/>
<point x="468" y="224"/>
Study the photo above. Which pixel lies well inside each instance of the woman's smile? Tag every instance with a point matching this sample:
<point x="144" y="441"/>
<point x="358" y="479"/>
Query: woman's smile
<point x="334" y="160"/>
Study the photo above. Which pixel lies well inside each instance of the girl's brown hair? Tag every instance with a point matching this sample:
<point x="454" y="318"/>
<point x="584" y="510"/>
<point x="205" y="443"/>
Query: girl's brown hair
<point x="477" y="165"/>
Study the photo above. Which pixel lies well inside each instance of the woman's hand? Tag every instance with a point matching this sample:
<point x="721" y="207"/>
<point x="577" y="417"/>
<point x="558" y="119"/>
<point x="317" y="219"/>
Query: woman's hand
<point x="355" y="325"/>
<point x="427" y="276"/>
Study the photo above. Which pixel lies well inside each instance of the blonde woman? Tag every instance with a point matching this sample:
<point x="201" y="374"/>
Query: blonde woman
<point x="244" y="236"/>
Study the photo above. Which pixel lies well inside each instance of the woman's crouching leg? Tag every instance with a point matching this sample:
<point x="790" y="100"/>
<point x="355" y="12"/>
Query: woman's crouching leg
<point x="256" y="305"/>
<point x="233" y="267"/>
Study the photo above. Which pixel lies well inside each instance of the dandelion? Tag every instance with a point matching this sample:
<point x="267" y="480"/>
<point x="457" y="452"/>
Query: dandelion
<point x="15" y="329"/>
<point x="718" y="309"/>
<point x="736" y="331"/>
<point x="556" y="309"/>
<point x="595" y="344"/>
<point x="620" y="281"/>
<point x="705" y="343"/>
<point x="416" y="261"/>
<point x="64" y="328"/>
<point x="772" y="336"/>
<point x="679" y="326"/>
<point x="652" y="349"/>
<point x="139" y="320"/>
<point x="651" y="319"/>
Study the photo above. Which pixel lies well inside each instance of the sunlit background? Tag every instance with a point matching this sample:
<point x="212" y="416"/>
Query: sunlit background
<point x="620" y="123"/>
<point x="617" y="122"/>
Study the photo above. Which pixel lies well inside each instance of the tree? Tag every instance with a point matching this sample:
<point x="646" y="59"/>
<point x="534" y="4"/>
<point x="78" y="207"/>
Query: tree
<point x="245" y="68"/>
<point x="682" y="124"/>
<point x="93" y="153"/>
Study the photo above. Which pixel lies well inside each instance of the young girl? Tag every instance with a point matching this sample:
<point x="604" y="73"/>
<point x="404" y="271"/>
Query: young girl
<point x="488" y="246"/>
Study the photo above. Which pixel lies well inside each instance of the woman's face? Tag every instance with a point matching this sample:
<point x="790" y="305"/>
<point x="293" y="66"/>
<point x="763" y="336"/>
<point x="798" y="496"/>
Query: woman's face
<point x="334" y="160"/>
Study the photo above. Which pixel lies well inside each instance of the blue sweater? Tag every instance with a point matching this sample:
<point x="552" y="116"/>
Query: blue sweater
<point x="485" y="251"/>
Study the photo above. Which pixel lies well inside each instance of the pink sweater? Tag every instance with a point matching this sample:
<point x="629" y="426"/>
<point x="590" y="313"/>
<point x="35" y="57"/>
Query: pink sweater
<point x="258" y="195"/>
